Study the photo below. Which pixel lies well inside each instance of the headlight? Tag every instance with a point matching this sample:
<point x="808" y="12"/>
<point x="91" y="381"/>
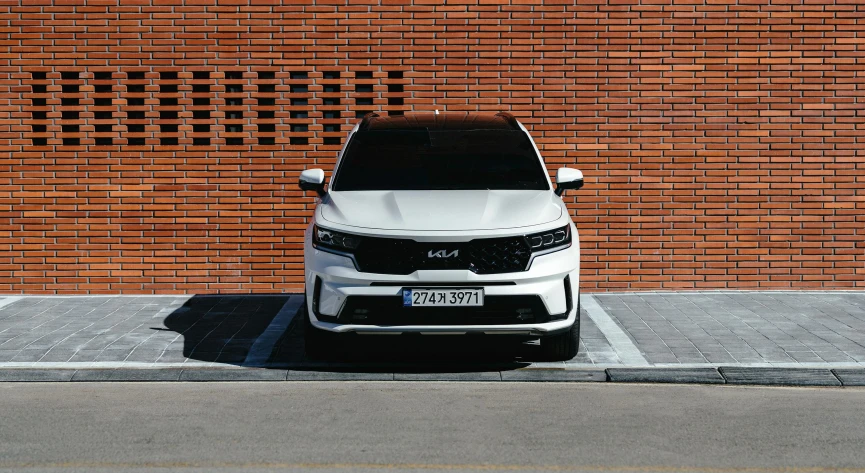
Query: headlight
<point x="552" y="239"/>
<point x="322" y="237"/>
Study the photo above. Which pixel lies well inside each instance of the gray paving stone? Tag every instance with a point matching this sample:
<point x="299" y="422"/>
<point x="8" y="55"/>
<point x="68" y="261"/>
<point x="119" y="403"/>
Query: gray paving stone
<point x="85" y="355"/>
<point x="145" y="356"/>
<point x="113" y="355"/>
<point x="7" y="355"/>
<point x="754" y="327"/>
<point x="851" y="377"/>
<point x="57" y="356"/>
<point x="29" y="356"/>
<point x="172" y="357"/>
<point x="337" y="376"/>
<point x="35" y="375"/>
<point x="665" y="375"/>
<point x="476" y="376"/>
<point x="228" y="374"/>
<point x="779" y="376"/>
<point x="542" y="375"/>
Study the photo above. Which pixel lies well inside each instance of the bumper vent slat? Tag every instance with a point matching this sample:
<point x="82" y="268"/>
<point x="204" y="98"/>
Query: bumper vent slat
<point x="497" y="310"/>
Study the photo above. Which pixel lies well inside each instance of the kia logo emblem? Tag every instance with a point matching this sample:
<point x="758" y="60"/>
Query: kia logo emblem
<point x="442" y="254"/>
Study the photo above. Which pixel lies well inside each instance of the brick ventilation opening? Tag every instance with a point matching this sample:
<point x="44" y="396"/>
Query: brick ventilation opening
<point x="70" y="101"/>
<point x="364" y="94"/>
<point x="39" y="109"/>
<point x="103" y="108"/>
<point x="201" y="108"/>
<point x="298" y="89"/>
<point x="169" y="108"/>
<point x="136" y="111"/>
<point x="234" y="111"/>
<point x="333" y="103"/>
<point x="395" y="93"/>
<point x="266" y="98"/>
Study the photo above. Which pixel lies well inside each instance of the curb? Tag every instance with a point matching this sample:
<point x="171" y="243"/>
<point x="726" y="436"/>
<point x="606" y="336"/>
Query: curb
<point x="665" y="375"/>
<point x="733" y="375"/>
<point x="779" y="376"/>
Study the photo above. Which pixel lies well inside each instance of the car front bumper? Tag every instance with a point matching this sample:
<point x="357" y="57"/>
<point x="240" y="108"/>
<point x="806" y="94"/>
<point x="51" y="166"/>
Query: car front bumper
<point x="342" y="299"/>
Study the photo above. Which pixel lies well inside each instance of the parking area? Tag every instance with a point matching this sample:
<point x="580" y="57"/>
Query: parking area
<point x="619" y="330"/>
<point x="212" y="331"/>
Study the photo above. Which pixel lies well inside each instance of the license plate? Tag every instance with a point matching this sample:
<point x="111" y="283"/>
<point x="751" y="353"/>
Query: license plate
<point x="442" y="297"/>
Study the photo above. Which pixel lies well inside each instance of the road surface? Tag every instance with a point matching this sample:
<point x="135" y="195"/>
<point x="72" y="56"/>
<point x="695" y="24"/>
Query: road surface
<point x="427" y="426"/>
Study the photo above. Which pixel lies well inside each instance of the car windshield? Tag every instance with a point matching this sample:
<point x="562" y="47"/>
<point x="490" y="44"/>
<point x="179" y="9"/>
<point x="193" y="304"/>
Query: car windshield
<point x="423" y="159"/>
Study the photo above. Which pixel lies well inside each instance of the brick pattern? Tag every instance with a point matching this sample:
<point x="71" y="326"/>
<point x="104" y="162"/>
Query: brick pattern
<point x="154" y="146"/>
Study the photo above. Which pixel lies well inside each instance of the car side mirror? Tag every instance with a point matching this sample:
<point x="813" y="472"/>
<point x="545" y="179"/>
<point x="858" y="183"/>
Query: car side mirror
<point x="312" y="180"/>
<point x="567" y="178"/>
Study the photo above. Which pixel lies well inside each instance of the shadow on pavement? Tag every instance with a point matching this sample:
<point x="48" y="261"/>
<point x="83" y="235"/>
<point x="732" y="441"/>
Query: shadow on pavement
<point x="409" y="353"/>
<point x="223" y="328"/>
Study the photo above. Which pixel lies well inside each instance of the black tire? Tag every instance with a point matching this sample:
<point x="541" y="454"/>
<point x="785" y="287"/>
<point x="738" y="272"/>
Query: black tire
<point x="562" y="346"/>
<point x="318" y="344"/>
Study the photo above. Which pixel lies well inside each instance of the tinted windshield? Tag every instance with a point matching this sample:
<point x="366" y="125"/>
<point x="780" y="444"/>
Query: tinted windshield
<point x="422" y="159"/>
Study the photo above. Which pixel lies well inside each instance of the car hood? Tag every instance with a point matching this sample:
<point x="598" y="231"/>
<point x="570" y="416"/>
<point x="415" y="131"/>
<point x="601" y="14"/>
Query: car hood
<point x="437" y="210"/>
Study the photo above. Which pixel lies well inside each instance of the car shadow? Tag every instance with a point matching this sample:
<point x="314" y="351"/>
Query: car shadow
<point x="410" y="353"/>
<point x="224" y="329"/>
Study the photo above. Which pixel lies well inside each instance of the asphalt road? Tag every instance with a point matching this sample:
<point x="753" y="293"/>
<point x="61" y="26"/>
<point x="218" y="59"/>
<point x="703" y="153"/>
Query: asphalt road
<point x="349" y="426"/>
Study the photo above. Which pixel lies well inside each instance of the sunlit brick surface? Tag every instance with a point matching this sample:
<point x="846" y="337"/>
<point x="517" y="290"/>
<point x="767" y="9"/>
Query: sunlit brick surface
<point x="155" y="146"/>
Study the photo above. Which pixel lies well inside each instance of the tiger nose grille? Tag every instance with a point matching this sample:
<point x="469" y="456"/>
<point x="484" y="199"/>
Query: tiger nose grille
<point x="483" y="256"/>
<point x="499" y="255"/>
<point x="386" y="256"/>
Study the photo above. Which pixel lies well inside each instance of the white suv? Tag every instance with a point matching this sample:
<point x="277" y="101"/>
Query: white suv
<point x="442" y="224"/>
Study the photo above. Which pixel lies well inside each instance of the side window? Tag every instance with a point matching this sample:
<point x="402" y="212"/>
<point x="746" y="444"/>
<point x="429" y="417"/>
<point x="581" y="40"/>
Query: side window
<point x="340" y="156"/>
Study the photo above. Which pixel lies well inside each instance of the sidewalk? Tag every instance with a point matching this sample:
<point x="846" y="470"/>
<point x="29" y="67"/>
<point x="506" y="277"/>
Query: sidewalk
<point x="727" y="336"/>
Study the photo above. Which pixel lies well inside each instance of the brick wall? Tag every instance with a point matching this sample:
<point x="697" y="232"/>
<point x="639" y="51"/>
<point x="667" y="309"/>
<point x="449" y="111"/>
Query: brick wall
<point x="155" y="146"/>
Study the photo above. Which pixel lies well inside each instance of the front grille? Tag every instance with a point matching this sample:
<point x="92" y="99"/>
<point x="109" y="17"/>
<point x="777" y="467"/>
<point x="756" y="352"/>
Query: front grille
<point x="499" y="255"/>
<point x="481" y="256"/>
<point x="388" y="310"/>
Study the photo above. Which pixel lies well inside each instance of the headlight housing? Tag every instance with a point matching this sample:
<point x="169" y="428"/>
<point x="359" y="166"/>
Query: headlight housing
<point x="326" y="239"/>
<point x="550" y="240"/>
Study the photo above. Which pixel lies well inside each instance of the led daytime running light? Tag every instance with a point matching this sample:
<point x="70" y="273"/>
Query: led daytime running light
<point x="334" y="239"/>
<point x="551" y="239"/>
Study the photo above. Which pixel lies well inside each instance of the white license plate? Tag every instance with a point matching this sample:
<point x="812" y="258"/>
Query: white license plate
<point x="442" y="297"/>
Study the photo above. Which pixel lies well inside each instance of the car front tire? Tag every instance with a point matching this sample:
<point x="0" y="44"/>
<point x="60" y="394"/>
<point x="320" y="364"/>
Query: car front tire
<point x="562" y="346"/>
<point x="318" y="344"/>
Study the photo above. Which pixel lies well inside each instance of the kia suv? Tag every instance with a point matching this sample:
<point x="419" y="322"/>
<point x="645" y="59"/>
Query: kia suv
<point x="441" y="224"/>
